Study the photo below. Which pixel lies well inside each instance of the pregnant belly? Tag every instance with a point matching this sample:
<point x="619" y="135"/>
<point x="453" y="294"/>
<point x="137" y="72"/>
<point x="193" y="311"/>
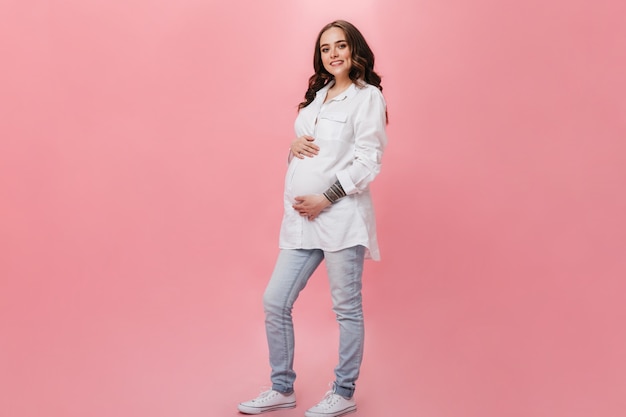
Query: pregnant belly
<point x="314" y="175"/>
<point x="308" y="176"/>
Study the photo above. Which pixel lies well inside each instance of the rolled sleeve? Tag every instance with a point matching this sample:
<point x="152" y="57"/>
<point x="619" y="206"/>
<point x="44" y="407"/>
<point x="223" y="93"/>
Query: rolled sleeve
<point x="370" y="142"/>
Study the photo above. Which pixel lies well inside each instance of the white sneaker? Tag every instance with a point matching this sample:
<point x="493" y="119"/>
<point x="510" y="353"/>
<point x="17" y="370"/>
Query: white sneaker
<point x="332" y="405"/>
<point x="268" y="401"/>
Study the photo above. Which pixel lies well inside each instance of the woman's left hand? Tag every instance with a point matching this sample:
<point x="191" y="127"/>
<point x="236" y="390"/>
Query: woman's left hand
<point x="310" y="206"/>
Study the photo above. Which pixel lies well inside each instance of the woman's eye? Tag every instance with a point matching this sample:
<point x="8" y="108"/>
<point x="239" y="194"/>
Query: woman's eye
<point x="324" y="50"/>
<point x="343" y="45"/>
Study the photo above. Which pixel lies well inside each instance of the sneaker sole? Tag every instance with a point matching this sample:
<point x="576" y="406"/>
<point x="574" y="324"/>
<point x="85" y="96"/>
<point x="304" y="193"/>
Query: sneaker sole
<point x="341" y="413"/>
<point x="260" y="410"/>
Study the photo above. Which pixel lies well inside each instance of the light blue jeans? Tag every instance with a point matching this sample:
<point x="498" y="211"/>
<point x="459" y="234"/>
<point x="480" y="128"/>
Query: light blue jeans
<point x="293" y="269"/>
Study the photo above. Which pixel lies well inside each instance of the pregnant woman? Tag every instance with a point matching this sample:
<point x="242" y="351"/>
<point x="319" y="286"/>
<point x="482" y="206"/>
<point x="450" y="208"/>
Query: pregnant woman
<point x="328" y="213"/>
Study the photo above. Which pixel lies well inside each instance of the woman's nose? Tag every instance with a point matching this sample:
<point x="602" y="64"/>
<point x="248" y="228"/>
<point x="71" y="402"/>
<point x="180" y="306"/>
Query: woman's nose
<point x="333" y="53"/>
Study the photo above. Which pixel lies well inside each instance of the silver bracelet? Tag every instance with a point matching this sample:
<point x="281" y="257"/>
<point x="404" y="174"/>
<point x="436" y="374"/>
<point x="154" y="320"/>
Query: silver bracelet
<point x="335" y="192"/>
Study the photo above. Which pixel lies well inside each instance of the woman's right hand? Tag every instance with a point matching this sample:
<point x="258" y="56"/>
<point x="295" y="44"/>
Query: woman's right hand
<point x="304" y="146"/>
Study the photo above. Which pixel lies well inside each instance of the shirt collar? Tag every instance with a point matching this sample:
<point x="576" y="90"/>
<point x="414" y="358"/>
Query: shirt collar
<point x="348" y="92"/>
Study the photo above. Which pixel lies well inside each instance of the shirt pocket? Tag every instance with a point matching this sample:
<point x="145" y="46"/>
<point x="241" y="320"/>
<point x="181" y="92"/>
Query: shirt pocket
<point x="330" y="125"/>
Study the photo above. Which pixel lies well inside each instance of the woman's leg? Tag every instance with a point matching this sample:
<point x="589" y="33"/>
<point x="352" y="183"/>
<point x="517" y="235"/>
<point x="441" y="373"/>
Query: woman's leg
<point x="345" y="269"/>
<point x="293" y="269"/>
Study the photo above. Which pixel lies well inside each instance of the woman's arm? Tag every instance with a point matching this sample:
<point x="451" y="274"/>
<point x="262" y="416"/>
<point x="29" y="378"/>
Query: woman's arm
<point x="370" y="142"/>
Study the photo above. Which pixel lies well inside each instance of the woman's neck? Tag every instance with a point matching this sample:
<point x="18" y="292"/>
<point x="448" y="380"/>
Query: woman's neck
<point x="342" y="83"/>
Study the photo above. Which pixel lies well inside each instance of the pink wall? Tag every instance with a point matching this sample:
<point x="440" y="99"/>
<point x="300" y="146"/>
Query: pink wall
<point x="142" y="148"/>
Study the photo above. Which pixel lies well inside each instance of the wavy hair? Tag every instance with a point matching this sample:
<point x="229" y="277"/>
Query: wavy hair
<point x="362" y="70"/>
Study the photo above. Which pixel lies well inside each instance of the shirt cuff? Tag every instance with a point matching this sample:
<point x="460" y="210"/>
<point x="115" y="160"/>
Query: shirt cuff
<point x="346" y="183"/>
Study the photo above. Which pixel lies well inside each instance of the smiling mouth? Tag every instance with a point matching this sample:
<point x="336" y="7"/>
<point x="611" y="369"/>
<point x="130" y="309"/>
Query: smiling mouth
<point x="335" y="63"/>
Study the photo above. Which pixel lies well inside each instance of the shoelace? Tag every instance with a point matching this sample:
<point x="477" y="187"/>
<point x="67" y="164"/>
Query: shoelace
<point x="264" y="393"/>
<point x="330" y="398"/>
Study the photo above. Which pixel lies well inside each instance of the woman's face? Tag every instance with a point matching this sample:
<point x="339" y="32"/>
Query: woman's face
<point x="336" y="53"/>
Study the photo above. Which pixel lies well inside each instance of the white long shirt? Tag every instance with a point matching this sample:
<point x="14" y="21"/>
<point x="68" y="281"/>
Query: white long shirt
<point x="350" y="132"/>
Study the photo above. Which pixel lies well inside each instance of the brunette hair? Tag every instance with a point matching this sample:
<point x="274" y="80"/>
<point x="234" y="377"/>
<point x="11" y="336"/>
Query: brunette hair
<point x="362" y="70"/>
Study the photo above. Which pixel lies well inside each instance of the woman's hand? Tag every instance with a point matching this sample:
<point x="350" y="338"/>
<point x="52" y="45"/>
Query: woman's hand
<point x="304" y="146"/>
<point x="310" y="206"/>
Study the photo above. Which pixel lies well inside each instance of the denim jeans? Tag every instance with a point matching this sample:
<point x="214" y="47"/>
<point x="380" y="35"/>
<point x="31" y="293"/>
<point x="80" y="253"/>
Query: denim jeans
<point x="293" y="269"/>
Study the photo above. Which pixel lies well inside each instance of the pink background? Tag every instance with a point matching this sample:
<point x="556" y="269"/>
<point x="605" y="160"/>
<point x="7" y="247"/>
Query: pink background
<point x="142" y="153"/>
